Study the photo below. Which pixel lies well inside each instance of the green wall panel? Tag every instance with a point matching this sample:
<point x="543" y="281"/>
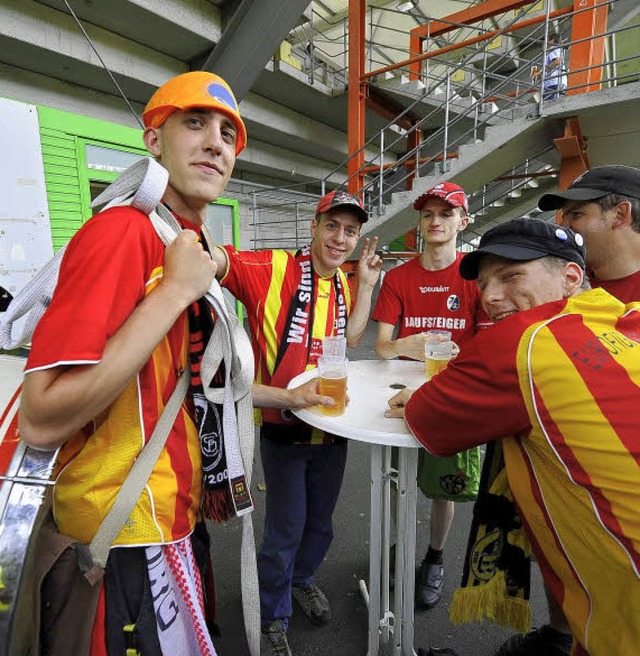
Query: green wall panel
<point x="63" y="138"/>
<point x="628" y="45"/>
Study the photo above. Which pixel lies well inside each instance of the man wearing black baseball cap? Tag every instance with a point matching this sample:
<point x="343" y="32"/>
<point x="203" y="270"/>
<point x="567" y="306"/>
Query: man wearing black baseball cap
<point x="603" y="205"/>
<point x="555" y="381"/>
<point x="524" y="240"/>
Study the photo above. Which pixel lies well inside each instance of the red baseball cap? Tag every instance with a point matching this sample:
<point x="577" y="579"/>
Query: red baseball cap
<point x="449" y="192"/>
<point x="338" y="198"/>
<point x="195" y="89"/>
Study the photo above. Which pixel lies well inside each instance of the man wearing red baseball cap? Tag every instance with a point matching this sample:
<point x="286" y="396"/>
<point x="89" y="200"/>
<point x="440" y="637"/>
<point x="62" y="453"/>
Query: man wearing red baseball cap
<point x="105" y="360"/>
<point x="293" y="301"/>
<point x="423" y="294"/>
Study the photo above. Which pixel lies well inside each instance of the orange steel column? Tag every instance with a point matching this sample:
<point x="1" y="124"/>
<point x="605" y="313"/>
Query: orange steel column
<point x="589" y="54"/>
<point x="573" y="155"/>
<point x="356" y="95"/>
<point x="415" y="49"/>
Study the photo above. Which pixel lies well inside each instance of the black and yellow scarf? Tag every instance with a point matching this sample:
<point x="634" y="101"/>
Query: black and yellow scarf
<point x="496" y="577"/>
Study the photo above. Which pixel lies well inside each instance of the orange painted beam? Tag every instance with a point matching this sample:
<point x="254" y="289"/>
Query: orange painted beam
<point x="573" y="155"/>
<point x="474" y="14"/>
<point x="587" y="57"/>
<point x="487" y="36"/>
<point x="356" y="96"/>
<point x="415" y="50"/>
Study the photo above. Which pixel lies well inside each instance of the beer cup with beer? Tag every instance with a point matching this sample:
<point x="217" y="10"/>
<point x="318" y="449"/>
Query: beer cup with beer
<point x="438" y="350"/>
<point x="332" y="381"/>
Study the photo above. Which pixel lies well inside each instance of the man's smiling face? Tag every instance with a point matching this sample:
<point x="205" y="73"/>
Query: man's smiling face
<point x="197" y="147"/>
<point x="334" y="236"/>
<point x="509" y="286"/>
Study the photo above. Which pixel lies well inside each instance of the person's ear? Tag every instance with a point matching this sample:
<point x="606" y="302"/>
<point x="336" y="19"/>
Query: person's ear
<point x="573" y="277"/>
<point x="314" y="226"/>
<point x="622" y="214"/>
<point x="463" y="223"/>
<point x="152" y="141"/>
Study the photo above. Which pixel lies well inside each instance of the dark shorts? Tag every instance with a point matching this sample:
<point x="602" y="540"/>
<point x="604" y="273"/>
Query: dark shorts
<point x="130" y="621"/>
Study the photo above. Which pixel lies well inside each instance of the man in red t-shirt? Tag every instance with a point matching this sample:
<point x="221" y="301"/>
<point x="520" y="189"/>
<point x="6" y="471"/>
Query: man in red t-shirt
<point x="603" y="205"/>
<point x="428" y="293"/>
<point x="105" y="359"/>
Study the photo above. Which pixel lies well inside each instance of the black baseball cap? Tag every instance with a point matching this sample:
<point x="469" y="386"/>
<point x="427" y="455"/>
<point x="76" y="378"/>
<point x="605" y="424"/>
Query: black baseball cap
<point x="522" y="240"/>
<point x="338" y="198"/>
<point x="596" y="183"/>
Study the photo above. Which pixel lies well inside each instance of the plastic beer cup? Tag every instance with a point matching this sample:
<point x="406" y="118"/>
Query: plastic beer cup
<point x="438" y="350"/>
<point x="332" y="381"/>
<point x="334" y="346"/>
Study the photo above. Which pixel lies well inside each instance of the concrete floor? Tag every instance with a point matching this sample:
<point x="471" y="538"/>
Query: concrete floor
<point x="346" y="564"/>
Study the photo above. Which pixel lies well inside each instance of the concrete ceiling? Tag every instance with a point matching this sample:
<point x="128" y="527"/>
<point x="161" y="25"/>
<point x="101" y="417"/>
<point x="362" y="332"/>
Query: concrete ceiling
<point x="297" y="131"/>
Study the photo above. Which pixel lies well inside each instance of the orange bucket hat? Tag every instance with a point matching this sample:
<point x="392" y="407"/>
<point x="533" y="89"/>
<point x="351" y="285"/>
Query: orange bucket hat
<point x="194" y="89"/>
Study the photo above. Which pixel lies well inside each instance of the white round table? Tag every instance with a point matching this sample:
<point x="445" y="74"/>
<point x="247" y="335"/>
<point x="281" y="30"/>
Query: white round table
<point x="370" y="384"/>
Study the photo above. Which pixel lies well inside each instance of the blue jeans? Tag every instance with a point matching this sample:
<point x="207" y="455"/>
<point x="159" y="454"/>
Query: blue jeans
<point x="303" y="483"/>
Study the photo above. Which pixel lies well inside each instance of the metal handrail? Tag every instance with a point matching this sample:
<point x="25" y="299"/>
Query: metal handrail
<point x="509" y="92"/>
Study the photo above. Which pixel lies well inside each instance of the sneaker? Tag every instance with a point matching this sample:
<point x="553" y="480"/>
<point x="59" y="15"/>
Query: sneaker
<point x="274" y="640"/>
<point x="429" y="584"/>
<point x="545" y="640"/>
<point x="313" y="602"/>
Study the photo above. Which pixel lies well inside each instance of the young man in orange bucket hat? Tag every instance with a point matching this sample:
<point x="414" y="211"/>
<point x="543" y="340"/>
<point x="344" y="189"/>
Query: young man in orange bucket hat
<point x="107" y="356"/>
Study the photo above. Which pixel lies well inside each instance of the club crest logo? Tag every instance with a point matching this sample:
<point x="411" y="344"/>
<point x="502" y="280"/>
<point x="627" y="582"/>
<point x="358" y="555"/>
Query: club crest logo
<point x="453" y="303"/>
<point x="211" y="431"/>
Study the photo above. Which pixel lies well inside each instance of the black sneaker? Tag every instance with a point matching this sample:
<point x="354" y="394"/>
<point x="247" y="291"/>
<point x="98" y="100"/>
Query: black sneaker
<point x="545" y="640"/>
<point x="429" y="584"/>
<point x="274" y="640"/>
<point x="313" y="602"/>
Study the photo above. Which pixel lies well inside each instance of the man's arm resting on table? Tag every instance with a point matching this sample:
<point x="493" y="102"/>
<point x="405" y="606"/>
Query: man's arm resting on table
<point x="388" y="348"/>
<point x="265" y="396"/>
<point x="57" y="402"/>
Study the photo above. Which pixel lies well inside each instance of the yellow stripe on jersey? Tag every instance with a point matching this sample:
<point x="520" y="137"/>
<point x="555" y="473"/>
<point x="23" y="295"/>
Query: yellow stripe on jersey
<point x="273" y="306"/>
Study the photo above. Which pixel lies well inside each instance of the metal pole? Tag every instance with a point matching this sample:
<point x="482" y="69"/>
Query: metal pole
<point x="547" y="9"/>
<point x="370" y="39"/>
<point x="345" y="52"/>
<point x="312" y="63"/>
<point x="381" y="174"/>
<point x="426" y="68"/>
<point x="614" y="57"/>
<point x="445" y="163"/>
<point x="254" y="209"/>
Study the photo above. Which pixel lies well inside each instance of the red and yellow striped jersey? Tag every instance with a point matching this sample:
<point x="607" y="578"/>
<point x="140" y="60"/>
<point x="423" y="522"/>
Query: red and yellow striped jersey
<point x="563" y="381"/>
<point x="265" y="283"/>
<point x="110" y="265"/>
